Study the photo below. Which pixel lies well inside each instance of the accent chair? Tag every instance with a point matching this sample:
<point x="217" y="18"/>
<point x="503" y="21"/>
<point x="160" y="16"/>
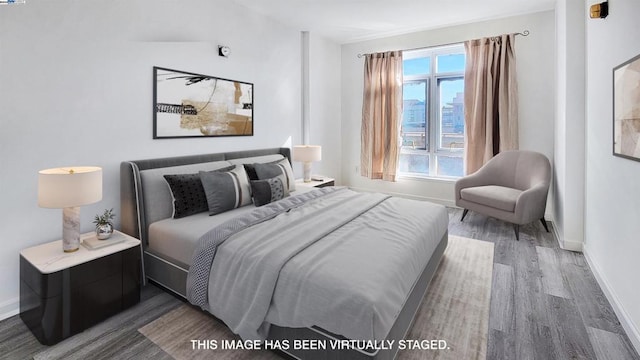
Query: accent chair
<point x="512" y="187"/>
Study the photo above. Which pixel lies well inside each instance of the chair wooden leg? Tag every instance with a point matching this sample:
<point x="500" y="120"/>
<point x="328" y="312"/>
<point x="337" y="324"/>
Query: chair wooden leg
<point x="544" y="223"/>
<point x="464" y="213"/>
<point x="516" y="228"/>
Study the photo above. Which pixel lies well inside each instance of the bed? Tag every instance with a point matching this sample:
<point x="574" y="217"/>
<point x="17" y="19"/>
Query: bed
<point x="321" y="265"/>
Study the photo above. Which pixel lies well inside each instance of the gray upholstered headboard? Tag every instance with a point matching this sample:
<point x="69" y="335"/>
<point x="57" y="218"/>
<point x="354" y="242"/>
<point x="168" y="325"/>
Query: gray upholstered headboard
<point x="132" y="199"/>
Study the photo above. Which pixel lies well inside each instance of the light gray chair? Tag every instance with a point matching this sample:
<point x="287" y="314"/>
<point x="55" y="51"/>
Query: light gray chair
<point x="512" y="187"/>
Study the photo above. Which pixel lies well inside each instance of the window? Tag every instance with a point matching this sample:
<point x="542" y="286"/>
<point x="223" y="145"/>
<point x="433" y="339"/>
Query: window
<point x="432" y="126"/>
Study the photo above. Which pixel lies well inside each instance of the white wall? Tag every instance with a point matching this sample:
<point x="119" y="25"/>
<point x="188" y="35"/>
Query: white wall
<point x="535" y="66"/>
<point x="76" y="89"/>
<point x="324" y="104"/>
<point x="569" y="158"/>
<point x="612" y="243"/>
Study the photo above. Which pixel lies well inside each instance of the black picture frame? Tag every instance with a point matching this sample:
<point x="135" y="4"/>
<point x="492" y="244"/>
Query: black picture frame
<point x="626" y="109"/>
<point x="190" y="105"/>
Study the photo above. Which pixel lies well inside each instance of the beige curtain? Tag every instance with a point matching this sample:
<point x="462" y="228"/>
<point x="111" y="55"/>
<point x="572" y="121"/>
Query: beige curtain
<point x="490" y="99"/>
<point x="381" y="112"/>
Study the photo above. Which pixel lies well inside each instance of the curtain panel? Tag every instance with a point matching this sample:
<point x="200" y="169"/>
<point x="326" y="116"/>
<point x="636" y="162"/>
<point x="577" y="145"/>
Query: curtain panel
<point x="381" y="112"/>
<point x="490" y="99"/>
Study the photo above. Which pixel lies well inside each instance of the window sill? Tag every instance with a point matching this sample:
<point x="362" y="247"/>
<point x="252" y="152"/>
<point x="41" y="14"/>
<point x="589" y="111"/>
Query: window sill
<point x="427" y="178"/>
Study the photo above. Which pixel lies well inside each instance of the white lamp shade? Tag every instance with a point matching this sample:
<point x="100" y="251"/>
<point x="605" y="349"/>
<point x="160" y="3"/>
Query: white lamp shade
<point x="69" y="187"/>
<point x="307" y="153"/>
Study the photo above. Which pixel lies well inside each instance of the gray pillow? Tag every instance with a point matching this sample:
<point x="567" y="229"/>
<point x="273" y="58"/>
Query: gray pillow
<point x="225" y="190"/>
<point x="281" y="167"/>
<point x="269" y="190"/>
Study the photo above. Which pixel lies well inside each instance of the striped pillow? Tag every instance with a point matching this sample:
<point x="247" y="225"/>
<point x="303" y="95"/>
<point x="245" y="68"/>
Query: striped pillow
<point x="226" y="190"/>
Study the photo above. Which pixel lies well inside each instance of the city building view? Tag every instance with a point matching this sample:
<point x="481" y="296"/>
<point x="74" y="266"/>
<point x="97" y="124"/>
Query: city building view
<point x="440" y="144"/>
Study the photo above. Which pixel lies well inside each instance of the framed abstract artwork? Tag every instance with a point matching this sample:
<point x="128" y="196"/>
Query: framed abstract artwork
<point x="195" y="105"/>
<point x="626" y="109"/>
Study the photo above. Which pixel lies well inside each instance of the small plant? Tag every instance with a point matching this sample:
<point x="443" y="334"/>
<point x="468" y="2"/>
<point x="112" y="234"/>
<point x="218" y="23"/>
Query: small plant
<point x="105" y="218"/>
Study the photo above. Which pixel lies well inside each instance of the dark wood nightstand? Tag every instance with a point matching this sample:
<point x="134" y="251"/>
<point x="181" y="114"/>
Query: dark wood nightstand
<point x="62" y="294"/>
<point x="316" y="183"/>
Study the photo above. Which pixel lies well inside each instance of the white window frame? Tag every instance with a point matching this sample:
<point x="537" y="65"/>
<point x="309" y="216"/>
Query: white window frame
<point x="432" y="97"/>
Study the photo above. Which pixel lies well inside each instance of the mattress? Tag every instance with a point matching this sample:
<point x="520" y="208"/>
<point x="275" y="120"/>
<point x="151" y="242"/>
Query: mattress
<point x="176" y="239"/>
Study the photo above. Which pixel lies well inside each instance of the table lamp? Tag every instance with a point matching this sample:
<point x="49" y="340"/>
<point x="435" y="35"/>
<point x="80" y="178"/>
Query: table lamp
<point x="307" y="154"/>
<point x="67" y="189"/>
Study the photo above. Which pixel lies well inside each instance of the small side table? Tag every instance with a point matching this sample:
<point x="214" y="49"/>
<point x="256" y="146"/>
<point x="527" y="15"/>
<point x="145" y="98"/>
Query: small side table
<point x="62" y="294"/>
<point x="327" y="181"/>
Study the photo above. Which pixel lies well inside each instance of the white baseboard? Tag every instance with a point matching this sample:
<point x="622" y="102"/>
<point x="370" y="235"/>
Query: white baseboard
<point x="555" y="232"/>
<point x="9" y="308"/>
<point x="568" y="244"/>
<point x="625" y="320"/>
<point x="445" y="202"/>
<point x="571" y="245"/>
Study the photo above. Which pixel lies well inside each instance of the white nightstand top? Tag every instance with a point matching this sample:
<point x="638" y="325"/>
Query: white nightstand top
<point x="49" y="257"/>
<point x="314" y="183"/>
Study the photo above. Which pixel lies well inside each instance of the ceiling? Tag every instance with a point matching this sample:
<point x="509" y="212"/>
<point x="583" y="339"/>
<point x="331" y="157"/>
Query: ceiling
<point x="346" y="21"/>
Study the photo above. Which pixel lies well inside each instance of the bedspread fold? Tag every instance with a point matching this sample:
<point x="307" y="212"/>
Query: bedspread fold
<point x="243" y="279"/>
<point x="198" y="277"/>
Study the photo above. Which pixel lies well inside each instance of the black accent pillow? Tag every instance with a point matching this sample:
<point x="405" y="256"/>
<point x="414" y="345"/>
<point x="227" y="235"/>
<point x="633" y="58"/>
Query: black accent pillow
<point x="269" y="190"/>
<point x="251" y="171"/>
<point x="188" y="194"/>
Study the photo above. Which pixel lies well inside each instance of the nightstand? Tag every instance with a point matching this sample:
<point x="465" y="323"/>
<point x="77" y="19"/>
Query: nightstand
<point x="327" y="181"/>
<point x="62" y="294"/>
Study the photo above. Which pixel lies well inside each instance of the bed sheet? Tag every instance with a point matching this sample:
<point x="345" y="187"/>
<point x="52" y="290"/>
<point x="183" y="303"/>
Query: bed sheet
<point x="176" y="239"/>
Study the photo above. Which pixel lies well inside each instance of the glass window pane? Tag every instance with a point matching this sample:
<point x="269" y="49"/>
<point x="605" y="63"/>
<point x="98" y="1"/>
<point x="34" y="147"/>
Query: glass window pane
<point x="414" y="163"/>
<point x="416" y="66"/>
<point x="414" y="115"/>
<point x="450" y="166"/>
<point x="439" y="94"/>
<point x="450" y="63"/>
<point x="451" y="96"/>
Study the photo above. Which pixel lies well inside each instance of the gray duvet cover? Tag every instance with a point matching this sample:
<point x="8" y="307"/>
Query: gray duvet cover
<point x="332" y="258"/>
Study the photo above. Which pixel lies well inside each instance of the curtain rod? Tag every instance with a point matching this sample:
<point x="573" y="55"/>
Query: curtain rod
<point x="524" y="33"/>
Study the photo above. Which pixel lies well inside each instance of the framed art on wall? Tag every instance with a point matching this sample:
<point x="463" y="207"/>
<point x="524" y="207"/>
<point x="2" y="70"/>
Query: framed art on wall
<point x="626" y="109"/>
<point x="195" y="105"/>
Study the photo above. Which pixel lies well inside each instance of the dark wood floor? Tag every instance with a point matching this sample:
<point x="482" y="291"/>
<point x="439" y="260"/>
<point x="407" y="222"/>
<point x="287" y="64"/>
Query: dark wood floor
<point x="545" y="304"/>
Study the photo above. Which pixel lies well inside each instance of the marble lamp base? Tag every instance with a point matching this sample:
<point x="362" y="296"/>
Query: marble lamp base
<point x="307" y="171"/>
<point x="71" y="229"/>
